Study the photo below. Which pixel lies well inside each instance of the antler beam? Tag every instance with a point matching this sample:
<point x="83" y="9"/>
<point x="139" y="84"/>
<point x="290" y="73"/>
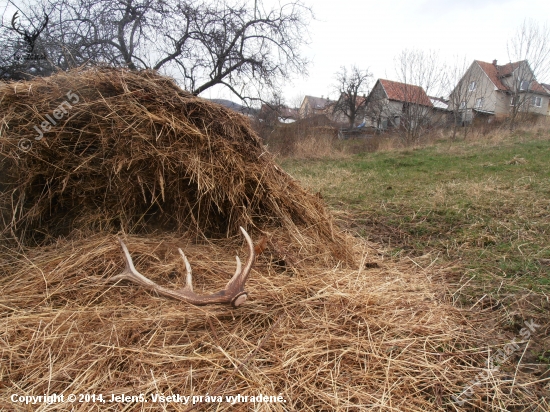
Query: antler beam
<point x="233" y="293"/>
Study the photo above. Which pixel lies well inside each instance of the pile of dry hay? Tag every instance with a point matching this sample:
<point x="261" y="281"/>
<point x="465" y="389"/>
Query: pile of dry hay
<point x="141" y="155"/>
<point x="131" y="151"/>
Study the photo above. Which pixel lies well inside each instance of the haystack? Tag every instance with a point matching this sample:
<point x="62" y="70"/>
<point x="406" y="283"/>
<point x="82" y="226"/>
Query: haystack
<point x="111" y="150"/>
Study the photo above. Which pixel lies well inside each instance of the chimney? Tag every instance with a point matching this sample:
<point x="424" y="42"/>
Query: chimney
<point x="495" y="62"/>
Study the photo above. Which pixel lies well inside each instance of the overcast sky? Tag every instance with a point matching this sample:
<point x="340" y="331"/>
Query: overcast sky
<point x="370" y="34"/>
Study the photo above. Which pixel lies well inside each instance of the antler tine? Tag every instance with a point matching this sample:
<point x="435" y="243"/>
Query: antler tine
<point x="189" y="276"/>
<point x="233" y="293"/>
<point x="15" y="16"/>
<point x="241" y="275"/>
<point x="37" y="32"/>
<point x="130" y="272"/>
<point x="27" y="34"/>
<point x="238" y="271"/>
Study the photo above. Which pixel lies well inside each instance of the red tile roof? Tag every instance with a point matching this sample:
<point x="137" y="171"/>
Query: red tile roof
<point x="536" y="87"/>
<point x="408" y="93"/>
<point x="507" y="69"/>
<point x="492" y="72"/>
<point x="496" y="72"/>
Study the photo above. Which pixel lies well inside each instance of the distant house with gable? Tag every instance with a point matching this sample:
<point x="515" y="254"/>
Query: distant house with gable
<point x="288" y="115"/>
<point x="490" y="89"/>
<point x="439" y="103"/>
<point x="247" y="111"/>
<point x="395" y="104"/>
<point x="273" y="114"/>
<point x="312" y="106"/>
<point x="341" y="110"/>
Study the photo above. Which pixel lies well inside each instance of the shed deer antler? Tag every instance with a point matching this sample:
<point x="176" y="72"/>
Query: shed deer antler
<point x="233" y="293"/>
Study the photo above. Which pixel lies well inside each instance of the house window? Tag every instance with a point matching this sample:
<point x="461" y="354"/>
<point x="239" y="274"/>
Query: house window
<point x="462" y="105"/>
<point x="479" y="103"/>
<point x="536" y="101"/>
<point x="524" y="85"/>
<point x="513" y="101"/>
<point x="472" y="86"/>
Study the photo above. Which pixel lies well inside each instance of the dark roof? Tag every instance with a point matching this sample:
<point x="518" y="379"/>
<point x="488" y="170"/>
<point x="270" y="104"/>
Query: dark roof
<point x="318" y="103"/>
<point x="403" y="92"/>
<point x="234" y="106"/>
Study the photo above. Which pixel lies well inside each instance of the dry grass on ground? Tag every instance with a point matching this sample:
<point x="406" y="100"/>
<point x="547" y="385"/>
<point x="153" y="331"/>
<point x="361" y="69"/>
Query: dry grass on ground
<point x="383" y="337"/>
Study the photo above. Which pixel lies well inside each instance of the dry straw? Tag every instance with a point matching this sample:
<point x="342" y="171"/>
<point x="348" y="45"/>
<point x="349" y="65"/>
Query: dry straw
<point x="136" y="153"/>
<point x="140" y="154"/>
<point x="328" y="339"/>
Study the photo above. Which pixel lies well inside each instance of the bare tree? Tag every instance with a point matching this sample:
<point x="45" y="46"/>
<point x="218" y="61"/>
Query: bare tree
<point x="296" y="101"/>
<point x="242" y="46"/>
<point x="425" y="70"/>
<point x="271" y="110"/>
<point x="529" y="54"/>
<point x="352" y="85"/>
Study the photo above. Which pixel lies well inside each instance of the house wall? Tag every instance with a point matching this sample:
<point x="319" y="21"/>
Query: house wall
<point x="440" y="117"/>
<point x="393" y="108"/>
<point x="522" y="72"/>
<point x="503" y="100"/>
<point x="513" y="82"/>
<point x="384" y="113"/>
<point x="339" y="118"/>
<point x="548" y="101"/>
<point x="484" y="89"/>
<point x="305" y="109"/>
<point x="527" y="106"/>
<point x="543" y="109"/>
<point x="376" y="107"/>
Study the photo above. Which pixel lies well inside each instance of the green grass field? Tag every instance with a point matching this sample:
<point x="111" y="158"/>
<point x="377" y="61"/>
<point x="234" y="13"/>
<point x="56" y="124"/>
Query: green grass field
<point x="483" y="206"/>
